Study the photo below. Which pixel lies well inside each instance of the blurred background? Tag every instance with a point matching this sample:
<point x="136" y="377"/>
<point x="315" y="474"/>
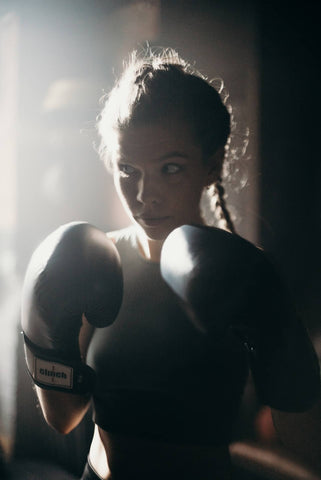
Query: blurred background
<point x="58" y="57"/>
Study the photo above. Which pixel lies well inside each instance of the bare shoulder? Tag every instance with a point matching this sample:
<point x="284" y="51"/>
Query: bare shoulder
<point x="124" y="234"/>
<point x="112" y="236"/>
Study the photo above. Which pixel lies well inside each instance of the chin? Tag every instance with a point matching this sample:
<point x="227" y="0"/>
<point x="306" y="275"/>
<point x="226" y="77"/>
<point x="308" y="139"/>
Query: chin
<point x="157" y="234"/>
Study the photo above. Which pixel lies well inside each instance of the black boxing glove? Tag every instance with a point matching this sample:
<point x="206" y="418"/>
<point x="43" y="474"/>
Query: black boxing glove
<point x="229" y="285"/>
<point x="76" y="270"/>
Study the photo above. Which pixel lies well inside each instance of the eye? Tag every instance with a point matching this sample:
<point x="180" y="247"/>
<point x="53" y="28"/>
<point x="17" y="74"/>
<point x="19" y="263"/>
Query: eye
<point x="125" y="170"/>
<point x="171" y="168"/>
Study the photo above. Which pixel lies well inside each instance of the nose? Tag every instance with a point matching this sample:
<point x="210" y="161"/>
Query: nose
<point x="148" y="190"/>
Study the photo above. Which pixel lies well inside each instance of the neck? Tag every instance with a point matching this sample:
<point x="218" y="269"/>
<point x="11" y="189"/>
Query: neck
<point x="150" y="249"/>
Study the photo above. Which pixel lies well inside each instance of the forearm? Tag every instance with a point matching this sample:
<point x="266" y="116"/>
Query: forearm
<point x="62" y="411"/>
<point x="301" y="433"/>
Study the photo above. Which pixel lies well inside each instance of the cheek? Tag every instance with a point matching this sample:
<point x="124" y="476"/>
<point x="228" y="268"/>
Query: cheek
<point x="124" y="189"/>
<point x="190" y="189"/>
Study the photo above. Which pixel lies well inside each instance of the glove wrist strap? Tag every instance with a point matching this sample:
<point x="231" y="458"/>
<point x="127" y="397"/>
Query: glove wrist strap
<point x="51" y="373"/>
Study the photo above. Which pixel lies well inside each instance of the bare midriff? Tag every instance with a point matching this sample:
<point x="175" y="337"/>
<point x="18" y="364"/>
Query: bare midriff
<point x="123" y="457"/>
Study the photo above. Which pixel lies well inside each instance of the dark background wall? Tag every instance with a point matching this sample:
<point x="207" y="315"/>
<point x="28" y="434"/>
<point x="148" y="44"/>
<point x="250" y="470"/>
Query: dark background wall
<point x="289" y="152"/>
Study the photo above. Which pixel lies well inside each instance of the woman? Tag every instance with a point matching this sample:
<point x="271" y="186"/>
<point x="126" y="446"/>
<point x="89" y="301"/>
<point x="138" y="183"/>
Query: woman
<point x="165" y="399"/>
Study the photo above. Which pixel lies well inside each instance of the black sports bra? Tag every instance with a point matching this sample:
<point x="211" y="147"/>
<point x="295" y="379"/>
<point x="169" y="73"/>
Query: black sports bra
<point x="157" y="376"/>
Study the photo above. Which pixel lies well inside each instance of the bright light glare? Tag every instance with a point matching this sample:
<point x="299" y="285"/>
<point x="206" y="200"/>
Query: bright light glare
<point x="176" y="262"/>
<point x="8" y="112"/>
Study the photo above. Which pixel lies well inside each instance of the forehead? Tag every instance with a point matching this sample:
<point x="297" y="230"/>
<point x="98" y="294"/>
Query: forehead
<point x="156" y="140"/>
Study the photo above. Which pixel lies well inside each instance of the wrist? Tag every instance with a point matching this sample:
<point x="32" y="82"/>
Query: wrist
<point x="51" y="371"/>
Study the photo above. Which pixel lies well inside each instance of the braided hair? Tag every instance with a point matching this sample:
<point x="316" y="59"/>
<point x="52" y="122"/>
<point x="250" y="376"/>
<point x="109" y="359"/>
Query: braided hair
<point x="157" y="85"/>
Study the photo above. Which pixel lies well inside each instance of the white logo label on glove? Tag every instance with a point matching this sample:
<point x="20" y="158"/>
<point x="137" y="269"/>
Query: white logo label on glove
<point x="54" y="374"/>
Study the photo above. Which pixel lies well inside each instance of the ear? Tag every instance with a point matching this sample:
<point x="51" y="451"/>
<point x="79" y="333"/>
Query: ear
<point x="215" y="165"/>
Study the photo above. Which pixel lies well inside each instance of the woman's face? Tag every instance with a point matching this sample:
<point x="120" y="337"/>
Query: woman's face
<point x="159" y="176"/>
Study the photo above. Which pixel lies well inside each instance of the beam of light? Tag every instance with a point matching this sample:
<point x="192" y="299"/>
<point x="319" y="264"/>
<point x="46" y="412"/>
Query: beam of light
<point x="9" y="285"/>
<point x="8" y="114"/>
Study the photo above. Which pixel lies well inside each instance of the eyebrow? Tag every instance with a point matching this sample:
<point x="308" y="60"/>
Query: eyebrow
<point x="174" y="153"/>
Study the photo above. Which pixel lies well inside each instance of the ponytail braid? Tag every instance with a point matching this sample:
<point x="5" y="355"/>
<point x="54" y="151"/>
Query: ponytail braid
<point x="218" y="205"/>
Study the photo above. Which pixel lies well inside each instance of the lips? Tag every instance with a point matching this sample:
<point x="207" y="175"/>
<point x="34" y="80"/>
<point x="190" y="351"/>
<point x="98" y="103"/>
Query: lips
<point x="151" y="221"/>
